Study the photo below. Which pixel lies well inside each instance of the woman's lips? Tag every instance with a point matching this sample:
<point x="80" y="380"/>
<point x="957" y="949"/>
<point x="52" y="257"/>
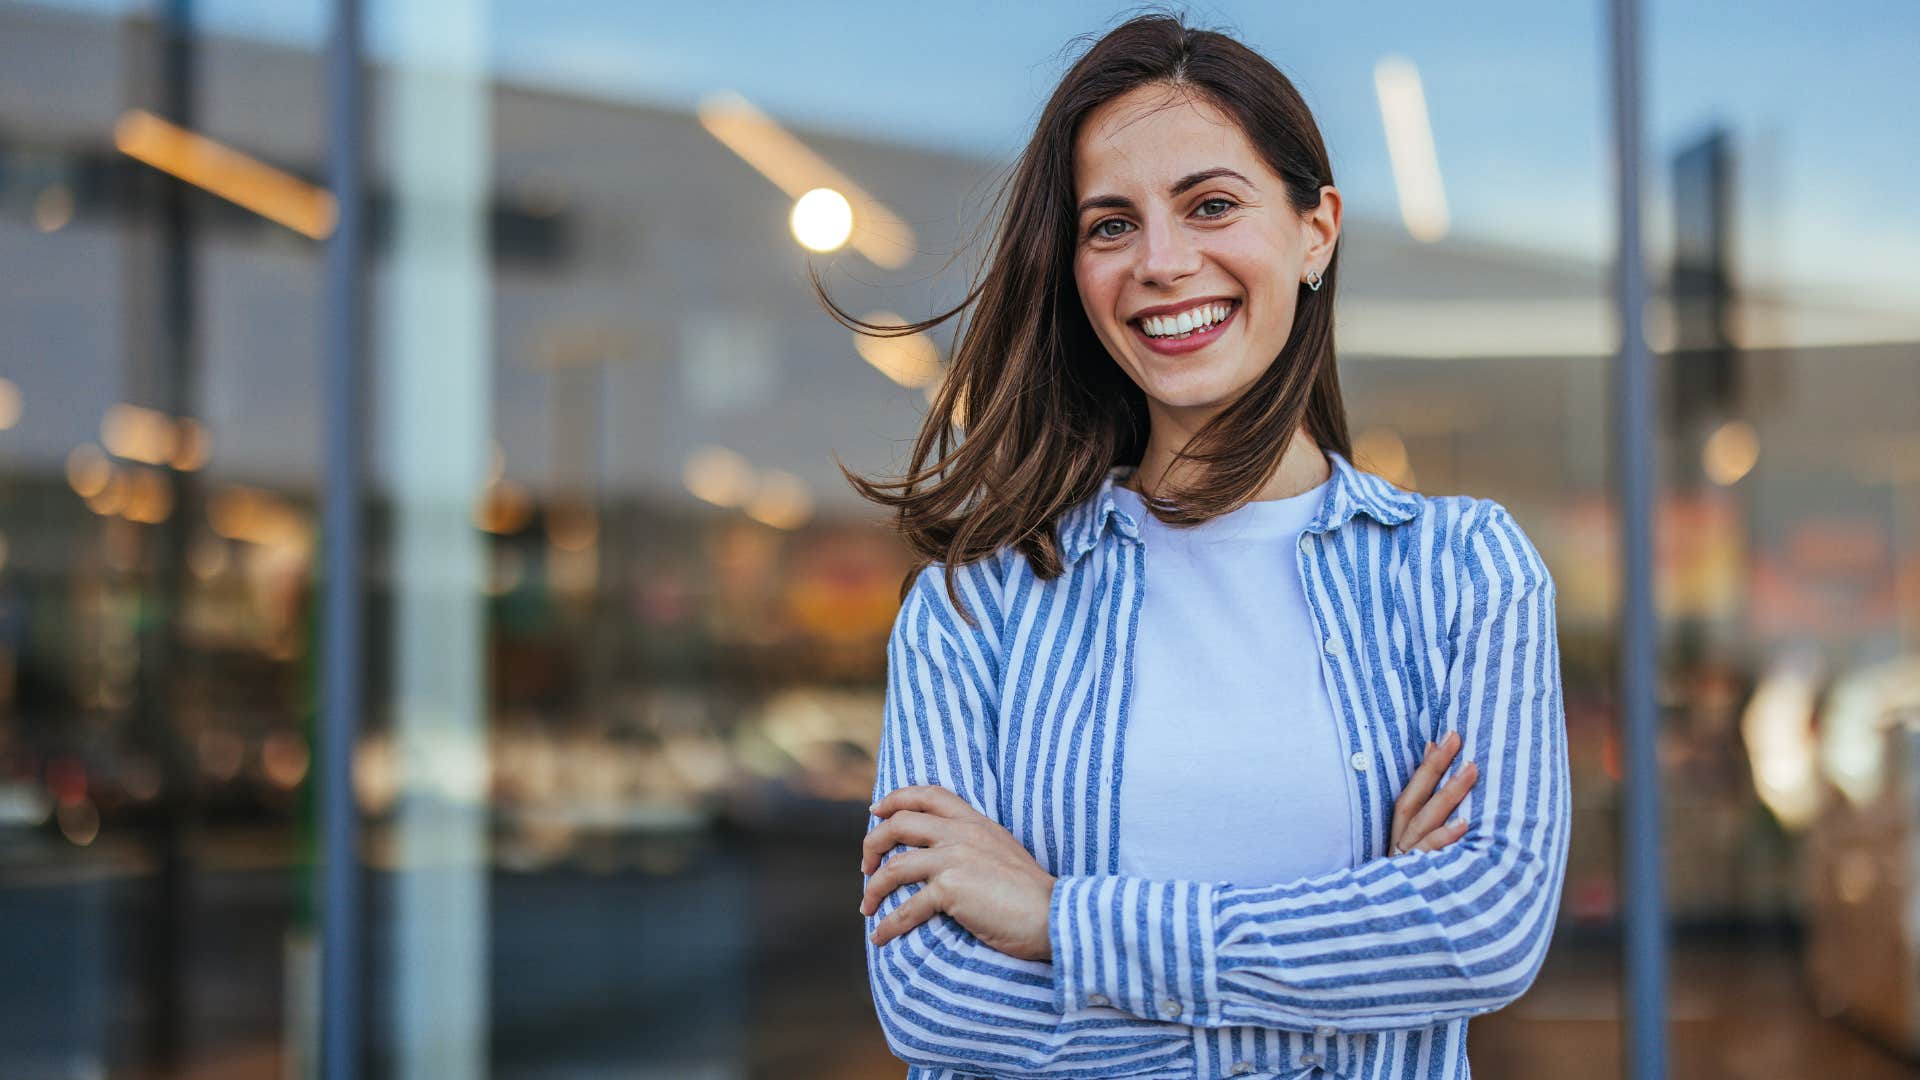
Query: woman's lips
<point x="1198" y="340"/>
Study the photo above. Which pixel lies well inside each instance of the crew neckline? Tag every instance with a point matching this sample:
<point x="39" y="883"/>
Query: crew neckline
<point x="1261" y="517"/>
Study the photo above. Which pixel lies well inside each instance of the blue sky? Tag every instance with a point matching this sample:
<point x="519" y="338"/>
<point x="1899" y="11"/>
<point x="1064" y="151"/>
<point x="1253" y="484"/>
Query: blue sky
<point x="1515" y="90"/>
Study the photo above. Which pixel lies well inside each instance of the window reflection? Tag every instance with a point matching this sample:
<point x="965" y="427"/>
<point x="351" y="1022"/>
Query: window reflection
<point x="619" y="552"/>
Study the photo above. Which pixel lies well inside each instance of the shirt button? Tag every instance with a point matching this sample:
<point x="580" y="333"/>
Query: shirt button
<point x="1323" y="1031"/>
<point x="1359" y="761"/>
<point x="1097" y="999"/>
<point x="1309" y="1059"/>
<point x="1170" y="1006"/>
<point x="1240" y="1068"/>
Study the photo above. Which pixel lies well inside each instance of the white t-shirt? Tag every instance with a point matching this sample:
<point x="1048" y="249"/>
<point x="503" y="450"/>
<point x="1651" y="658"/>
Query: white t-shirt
<point x="1234" y="767"/>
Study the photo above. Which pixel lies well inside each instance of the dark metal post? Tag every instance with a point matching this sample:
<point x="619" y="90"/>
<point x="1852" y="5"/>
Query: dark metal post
<point x="1643" y="909"/>
<point x="342" y="622"/>
<point x="165" y="375"/>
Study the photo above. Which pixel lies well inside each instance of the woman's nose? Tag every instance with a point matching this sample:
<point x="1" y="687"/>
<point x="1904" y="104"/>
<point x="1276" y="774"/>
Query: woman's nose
<point x="1166" y="254"/>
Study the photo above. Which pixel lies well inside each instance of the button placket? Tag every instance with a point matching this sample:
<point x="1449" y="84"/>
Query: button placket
<point x="1358" y="759"/>
<point x="1338" y="1049"/>
<point x="1320" y="1054"/>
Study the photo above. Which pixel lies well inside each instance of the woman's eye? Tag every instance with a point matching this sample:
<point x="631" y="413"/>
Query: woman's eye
<point x="1101" y="231"/>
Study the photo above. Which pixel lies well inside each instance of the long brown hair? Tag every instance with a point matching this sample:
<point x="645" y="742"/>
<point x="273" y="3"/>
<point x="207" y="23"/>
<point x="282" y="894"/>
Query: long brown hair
<point x="1044" y="410"/>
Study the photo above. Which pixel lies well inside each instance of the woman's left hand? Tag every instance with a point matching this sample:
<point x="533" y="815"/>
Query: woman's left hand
<point x="974" y="871"/>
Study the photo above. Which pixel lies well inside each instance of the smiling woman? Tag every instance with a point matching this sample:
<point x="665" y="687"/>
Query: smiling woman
<point x="1226" y="237"/>
<point x="1271" y="885"/>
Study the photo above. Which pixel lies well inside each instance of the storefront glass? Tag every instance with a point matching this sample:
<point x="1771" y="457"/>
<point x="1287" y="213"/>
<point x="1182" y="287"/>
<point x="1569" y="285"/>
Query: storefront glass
<point x="625" y="616"/>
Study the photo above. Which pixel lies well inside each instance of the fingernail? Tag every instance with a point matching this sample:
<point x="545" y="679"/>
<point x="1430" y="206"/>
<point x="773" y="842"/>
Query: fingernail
<point x="873" y="806"/>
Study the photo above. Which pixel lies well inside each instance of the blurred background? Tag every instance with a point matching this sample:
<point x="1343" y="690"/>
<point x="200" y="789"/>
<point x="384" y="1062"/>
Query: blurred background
<point x="625" y="620"/>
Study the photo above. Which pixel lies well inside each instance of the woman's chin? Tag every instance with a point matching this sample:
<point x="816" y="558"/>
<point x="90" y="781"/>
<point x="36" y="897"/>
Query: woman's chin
<point x="1191" y="389"/>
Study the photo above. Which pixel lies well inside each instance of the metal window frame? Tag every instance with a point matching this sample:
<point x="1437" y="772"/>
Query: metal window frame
<point x="343" y="615"/>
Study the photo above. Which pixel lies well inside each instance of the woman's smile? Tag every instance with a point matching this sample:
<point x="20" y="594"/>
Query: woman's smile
<point x="1191" y="329"/>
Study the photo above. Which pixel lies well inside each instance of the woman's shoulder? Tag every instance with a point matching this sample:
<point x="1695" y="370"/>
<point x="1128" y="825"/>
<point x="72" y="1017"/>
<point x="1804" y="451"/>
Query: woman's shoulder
<point x="1482" y="535"/>
<point x="1457" y="537"/>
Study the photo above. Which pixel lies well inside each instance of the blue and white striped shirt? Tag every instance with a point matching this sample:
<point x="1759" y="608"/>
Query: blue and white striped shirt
<point x="1436" y="614"/>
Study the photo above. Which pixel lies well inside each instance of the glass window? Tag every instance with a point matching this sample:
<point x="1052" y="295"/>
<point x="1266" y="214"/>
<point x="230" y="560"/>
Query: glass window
<point x="625" y="615"/>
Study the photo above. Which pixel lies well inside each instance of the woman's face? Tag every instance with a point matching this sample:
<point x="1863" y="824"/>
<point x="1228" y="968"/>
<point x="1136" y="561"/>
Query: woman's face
<point x="1179" y="214"/>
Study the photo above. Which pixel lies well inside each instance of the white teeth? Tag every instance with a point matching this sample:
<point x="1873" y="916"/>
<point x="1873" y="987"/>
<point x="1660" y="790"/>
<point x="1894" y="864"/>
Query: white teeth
<point x="1186" y="322"/>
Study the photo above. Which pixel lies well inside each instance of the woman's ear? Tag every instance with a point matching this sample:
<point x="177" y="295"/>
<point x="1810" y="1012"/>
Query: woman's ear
<point x="1322" y="225"/>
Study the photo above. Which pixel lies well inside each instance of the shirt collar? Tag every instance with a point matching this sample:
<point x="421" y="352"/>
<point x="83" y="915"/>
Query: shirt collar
<point x="1349" y="491"/>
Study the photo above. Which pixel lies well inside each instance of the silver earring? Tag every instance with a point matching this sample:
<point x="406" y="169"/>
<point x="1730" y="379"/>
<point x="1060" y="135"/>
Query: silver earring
<point x="1313" y="280"/>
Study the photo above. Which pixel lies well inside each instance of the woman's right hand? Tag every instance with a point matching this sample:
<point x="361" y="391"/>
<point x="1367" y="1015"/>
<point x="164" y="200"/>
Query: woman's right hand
<point x="1420" y="813"/>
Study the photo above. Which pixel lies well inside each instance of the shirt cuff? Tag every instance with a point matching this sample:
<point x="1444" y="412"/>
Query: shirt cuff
<point x="1139" y="945"/>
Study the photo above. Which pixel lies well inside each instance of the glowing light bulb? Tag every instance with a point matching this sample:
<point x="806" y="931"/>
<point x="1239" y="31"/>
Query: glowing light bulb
<point x="822" y="219"/>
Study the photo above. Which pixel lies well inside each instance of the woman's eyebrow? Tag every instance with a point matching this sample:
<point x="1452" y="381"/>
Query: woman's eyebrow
<point x="1121" y="202"/>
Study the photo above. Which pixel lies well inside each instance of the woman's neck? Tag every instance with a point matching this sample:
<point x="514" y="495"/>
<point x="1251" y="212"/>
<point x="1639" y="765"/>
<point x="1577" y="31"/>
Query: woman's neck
<point x="1303" y="468"/>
